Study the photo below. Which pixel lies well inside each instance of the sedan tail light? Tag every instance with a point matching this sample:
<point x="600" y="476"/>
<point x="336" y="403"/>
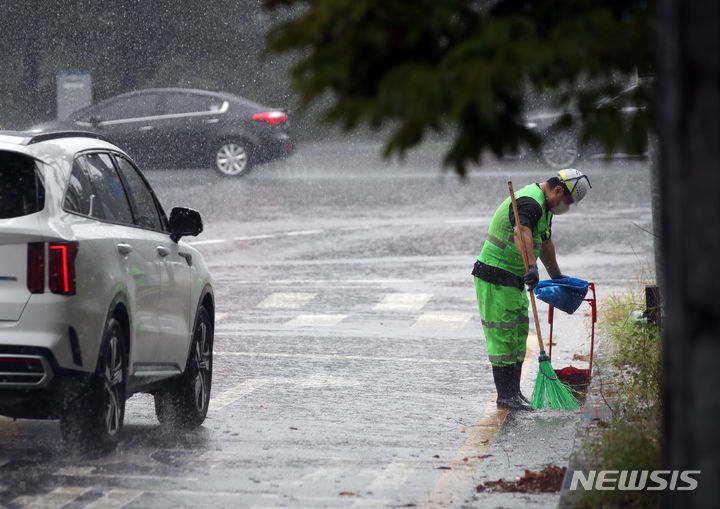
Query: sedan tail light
<point x="61" y="267"/>
<point x="271" y="117"/>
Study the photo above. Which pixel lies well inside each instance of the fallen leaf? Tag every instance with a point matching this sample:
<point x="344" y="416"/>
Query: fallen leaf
<point x="578" y="357"/>
<point x="548" y="480"/>
<point x="347" y="494"/>
<point x="293" y="428"/>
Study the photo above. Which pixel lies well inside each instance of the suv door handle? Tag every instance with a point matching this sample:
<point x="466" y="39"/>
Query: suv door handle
<point x="124" y="248"/>
<point x="162" y="251"/>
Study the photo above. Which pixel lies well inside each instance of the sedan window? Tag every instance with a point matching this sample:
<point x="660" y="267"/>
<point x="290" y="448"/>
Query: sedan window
<point x="141" y="196"/>
<point x="134" y="106"/>
<point x="109" y="201"/>
<point x="190" y="103"/>
<point x="21" y="190"/>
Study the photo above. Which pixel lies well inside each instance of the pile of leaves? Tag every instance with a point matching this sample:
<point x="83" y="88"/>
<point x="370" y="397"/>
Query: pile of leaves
<point x="548" y="480"/>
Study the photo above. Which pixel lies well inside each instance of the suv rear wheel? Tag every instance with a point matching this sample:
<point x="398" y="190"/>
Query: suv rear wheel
<point x="184" y="401"/>
<point x="233" y="158"/>
<point x="95" y="418"/>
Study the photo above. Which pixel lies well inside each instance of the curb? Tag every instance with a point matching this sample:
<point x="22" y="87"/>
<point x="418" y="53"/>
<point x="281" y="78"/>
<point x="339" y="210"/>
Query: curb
<point x="595" y="411"/>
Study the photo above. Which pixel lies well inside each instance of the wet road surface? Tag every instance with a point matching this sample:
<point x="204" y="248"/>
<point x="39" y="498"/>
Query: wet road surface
<point x="350" y="369"/>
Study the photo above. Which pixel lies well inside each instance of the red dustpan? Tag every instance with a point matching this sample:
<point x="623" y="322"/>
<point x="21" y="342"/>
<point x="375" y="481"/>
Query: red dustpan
<point x="577" y="378"/>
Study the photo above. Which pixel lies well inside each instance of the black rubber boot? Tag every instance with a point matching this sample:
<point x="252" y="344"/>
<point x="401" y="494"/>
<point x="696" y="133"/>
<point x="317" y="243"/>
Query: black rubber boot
<point x="504" y="383"/>
<point x="516" y="381"/>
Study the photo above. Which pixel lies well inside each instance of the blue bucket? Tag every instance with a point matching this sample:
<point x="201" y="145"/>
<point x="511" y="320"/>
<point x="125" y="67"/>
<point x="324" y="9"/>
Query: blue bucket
<point x="565" y="294"/>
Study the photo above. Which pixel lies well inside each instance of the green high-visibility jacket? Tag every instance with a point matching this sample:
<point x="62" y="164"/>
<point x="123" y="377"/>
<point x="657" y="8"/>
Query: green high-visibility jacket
<point x="499" y="248"/>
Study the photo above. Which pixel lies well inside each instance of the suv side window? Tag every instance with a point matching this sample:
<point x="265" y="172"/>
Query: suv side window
<point x="79" y="196"/>
<point x="107" y="199"/>
<point x="141" y="197"/>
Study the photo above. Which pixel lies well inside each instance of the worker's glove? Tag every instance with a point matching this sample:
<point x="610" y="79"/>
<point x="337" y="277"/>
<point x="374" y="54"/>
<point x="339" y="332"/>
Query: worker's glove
<point x="532" y="277"/>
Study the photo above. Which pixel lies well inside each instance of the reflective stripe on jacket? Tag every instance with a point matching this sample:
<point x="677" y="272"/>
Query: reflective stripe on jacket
<point x="499" y="248"/>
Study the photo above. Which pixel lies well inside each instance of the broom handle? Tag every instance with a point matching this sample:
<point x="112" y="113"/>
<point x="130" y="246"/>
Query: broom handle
<point x="527" y="266"/>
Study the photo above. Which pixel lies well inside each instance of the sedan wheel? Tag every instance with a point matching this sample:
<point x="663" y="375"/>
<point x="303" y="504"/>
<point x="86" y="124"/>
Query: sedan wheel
<point x="184" y="402"/>
<point x="233" y="159"/>
<point x="94" y="419"/>
<point x="560" y="150"/>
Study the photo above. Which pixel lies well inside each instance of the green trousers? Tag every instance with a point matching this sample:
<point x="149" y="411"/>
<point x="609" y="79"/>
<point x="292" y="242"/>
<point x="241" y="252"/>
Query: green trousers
<point x="504" y="315"/>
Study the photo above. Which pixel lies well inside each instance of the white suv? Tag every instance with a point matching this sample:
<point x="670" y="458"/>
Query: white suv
<point x="99" y="298"/>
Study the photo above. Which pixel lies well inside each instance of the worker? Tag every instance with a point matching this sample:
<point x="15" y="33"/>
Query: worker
<point x="500" y="274"/>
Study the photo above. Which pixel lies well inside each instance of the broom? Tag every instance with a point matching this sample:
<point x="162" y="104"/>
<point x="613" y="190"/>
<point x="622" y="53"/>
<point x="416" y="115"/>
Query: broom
<point x="549" y="390"/>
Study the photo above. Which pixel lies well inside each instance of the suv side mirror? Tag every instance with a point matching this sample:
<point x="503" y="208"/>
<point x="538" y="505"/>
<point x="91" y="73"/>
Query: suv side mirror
<point x="184" y="221"/>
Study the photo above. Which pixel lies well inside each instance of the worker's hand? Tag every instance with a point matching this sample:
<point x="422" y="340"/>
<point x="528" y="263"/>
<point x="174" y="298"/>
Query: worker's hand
<point x="557" y="276"/>
<point x="532" y="277"/>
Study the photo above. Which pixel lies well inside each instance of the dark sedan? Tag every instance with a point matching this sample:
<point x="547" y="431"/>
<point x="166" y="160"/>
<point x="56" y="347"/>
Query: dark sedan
<point x="183" y="127"/>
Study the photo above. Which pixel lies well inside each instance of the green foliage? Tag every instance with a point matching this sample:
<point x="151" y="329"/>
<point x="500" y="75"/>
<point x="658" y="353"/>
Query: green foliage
<point x="633" y="439"/>
<point x="466" y="66"/>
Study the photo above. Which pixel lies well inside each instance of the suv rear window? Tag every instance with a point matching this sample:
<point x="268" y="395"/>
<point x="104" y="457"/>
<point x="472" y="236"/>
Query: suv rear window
<point x="21" y="188"/>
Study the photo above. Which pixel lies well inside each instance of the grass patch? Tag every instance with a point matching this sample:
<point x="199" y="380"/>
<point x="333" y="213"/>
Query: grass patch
<point x="633" y="438"/>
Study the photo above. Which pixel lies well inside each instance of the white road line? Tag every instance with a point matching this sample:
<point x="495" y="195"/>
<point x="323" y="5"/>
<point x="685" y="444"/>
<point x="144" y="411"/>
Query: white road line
<point x="303" y="232"/>
<point x="230" y="396"/>
<point x="221" y="316"/>
<point x="74" y="471"/>
<point x="280" y="300"/>
<point x="442" y="321"/>
<point x="370" y="358"/>
<point x="393" y="477"/>
<point x="206" y="242"/>
<point x="403" y="302"/>
<point x="56" y="498"/>
<point x="115" y="499"/>
<point x="316" y="320"/>
<point x="255" y="237"/>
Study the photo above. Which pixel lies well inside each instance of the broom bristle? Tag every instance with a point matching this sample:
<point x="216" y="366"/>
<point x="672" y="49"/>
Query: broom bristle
<point x="550" y="391"/>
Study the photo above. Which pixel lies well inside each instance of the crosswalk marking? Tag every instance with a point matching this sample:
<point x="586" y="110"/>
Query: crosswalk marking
<point x="393" y="477"/>
<point x="56" y="498"/>
<point x="115" y="499"/>
<point x="403" y="302"/>
<point x="316" y="320"/>
<point x="442" y="321"/>
<point x="314" y="381"/>
<point x="280" y="300"/>
<point x="232" y="395"/>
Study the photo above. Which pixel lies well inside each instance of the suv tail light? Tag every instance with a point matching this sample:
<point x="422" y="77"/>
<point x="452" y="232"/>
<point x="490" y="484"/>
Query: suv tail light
<point x="271" y="117"/>
<point x="36" y="267"/>
<point x="61" y="267"/>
